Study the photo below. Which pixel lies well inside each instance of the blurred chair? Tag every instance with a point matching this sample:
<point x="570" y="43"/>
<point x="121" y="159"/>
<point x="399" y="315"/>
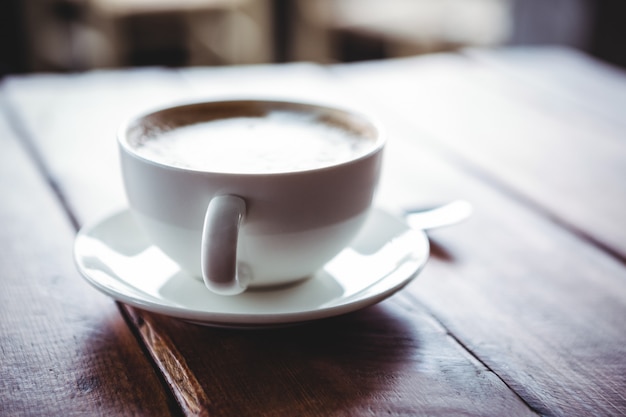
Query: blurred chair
<point x="349" y="30"/>
<point x="75" y="35"/>
<point x="189" y="32"/>
<point x="372" y="29"/>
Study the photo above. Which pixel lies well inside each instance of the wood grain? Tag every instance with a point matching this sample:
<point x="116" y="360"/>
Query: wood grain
<point x="567" y="77"/>
<point x="528" y="295"/>
<point x="520" y="311"/>
<point x="171" y="363"/>
<point x="393" y="359"/>
<point x="540" y="306"/>
<point x="65" y="349"/>
<point x="526" y="131"/>
<point x="79" y="128"/>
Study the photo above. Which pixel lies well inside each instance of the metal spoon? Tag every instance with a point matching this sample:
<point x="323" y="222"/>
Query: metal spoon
<point x="445" y="215"/>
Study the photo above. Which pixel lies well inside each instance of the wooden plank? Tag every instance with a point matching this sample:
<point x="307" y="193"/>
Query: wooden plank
<point x="536" y="143"/>
<point x="83" y="139"/>
<point x="392" y="358"/>
<point x="535" y="302"/>
<point x="567" y="76"/>
<point x="65" y="349"/>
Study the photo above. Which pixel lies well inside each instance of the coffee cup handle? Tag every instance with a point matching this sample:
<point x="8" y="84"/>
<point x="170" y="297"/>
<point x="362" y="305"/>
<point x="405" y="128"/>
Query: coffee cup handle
<point x="220" y="234"/>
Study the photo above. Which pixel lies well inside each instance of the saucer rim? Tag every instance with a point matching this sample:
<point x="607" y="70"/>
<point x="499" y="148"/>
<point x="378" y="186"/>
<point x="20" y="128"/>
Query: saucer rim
<point x="149" y="303"/>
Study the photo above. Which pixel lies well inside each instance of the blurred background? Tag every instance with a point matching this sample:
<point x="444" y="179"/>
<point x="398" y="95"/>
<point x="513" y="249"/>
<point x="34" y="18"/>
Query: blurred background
<point x="79" y="35"/>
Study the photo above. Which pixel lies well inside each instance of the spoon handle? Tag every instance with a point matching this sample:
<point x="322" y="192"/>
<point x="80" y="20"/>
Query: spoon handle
<point x="446" y="215"/>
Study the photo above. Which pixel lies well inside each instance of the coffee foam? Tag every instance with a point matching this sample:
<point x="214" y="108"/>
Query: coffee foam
<point x="278" y="142"/>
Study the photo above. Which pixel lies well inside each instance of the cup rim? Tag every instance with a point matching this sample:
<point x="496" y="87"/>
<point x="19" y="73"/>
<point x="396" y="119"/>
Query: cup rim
<point x="123" y="142"/>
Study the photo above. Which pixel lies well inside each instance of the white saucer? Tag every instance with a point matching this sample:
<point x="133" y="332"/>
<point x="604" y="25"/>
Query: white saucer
<point x="116" y="258"/>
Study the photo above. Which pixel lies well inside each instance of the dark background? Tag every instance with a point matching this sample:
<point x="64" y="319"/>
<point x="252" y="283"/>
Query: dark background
<point x="77" y="35"/>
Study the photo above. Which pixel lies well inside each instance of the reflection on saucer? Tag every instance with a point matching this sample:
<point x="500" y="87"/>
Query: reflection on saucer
<point x="115" y="257"/>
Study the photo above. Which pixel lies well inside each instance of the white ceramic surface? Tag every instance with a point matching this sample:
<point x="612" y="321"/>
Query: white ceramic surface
<point x="116" y="258"/>
<point x="286" y="225"/>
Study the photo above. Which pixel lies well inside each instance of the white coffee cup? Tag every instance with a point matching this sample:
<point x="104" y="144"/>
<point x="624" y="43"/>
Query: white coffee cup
<point x="249" y="229"/>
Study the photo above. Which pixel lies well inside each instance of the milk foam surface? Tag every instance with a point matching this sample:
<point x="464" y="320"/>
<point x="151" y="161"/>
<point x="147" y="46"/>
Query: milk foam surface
<point x="278" y="142"/>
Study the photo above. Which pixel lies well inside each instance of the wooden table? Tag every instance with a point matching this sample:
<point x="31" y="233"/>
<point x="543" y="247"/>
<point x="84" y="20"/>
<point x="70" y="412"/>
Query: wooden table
<point x="521" y="310"/>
